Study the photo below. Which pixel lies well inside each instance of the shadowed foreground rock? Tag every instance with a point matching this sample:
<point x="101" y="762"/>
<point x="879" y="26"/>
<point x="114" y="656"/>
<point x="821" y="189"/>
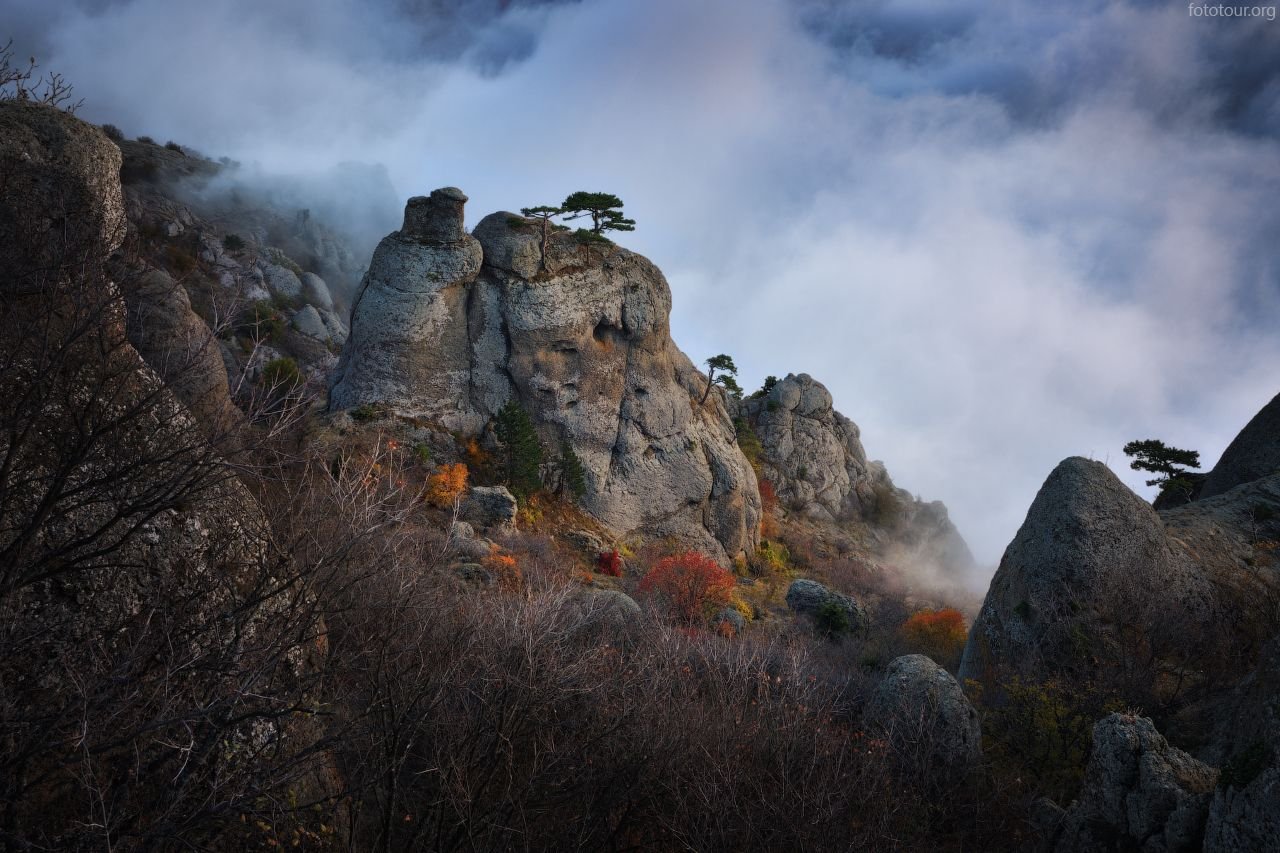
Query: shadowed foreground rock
<point x="1139" y="793"/>
<point x="923" y="712"/>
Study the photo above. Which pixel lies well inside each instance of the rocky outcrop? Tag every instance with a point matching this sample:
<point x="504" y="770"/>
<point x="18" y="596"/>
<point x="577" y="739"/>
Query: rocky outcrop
<point x="1245" y="813"/>
<point x="1091" y="559"/>
<point x="808" y="597"/>
<point x="133" y="566"/>
<point x="814" y="459"/>
<point x="448" y="327"/>
<point x="490" y="506"/>
<point x="178" y="346"/>
<point x="1253" y="454"/>
<point x="1139" y="793"/>
<point x="60" y="202"/>
<point x="919" y="707"/>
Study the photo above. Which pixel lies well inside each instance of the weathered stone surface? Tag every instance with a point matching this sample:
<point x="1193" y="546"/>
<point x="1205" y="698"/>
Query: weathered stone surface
<point x="814" y="458"/>
<point x="316" y="292"/>
<point x="307" y="320"/>
<point x="582" y="342"/>
<point x="1139" y="793"/>
<point x="808" y="596"/>
<point x="178" y="346"/>
<point x="1245" y="814"/>
<point x="1253" y="454"/>
<point x="408" y="347"/>
<point x="1090" y="558"/>
<point x="61" y="201"/>
<point x="918" y="704"/>
<point x="281" y="281"/>
<point x="490" y="506"/>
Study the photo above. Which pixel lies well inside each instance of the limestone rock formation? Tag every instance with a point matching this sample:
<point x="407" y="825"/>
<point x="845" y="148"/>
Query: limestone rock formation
<point x="1245" y="813"/>
<point x="1139" y="793"/>
<point x="178" y="346"/>
<point x="814" y="458"/>
<point x="56" y="172"/>
<point x="918" y="702"/>
<point x="580" y="338"/>
<point x="1091" y="558"/>
<point x="130" y="559"/>
<point x="1253" y="454"/>
<point x="490" y="506"/>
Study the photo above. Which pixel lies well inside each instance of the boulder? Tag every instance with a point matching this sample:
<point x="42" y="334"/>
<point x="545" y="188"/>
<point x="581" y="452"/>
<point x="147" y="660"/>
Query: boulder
<point x="1091" y="559"/>
<point x="614" y="604"/>
<point x="1138" y="793"/>
<point x="177" y="345"/>
<point x="1253" y="454"/>
<point x="808" y="597"/>
<point x="490" y="506"/>
<point x="919" y="705"/>
<point x="316" y="292"/>
<point x="308" y="321"/>
<point x="61" y="201"/>
<point x="280" y="280"/>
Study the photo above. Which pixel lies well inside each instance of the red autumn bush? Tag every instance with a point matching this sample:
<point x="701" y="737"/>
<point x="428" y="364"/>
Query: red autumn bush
<point x="768" y="496"/>
<point x="609" y="563"/>
<point x="940" y="634"/>
<point x="691" y="585"/>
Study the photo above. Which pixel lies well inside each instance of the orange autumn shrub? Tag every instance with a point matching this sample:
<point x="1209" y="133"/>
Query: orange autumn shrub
<point x="940" y="634"/>
<point x="692" y="586"/>
<point x="447" y="484"/>
<point x="768" y="496"/>
<point x="503" y="566"/>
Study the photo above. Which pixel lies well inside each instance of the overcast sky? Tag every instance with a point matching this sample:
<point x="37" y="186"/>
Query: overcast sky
<point x="1002" y="232"/>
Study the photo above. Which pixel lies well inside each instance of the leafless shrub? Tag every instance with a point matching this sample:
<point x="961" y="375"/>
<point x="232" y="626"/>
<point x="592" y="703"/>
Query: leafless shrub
<point x="20" y="82"/>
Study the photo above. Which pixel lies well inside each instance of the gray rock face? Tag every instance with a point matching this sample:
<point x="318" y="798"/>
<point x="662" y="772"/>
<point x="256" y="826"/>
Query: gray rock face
<point x="814" y="457"/>
<point x="307" y="320"/>
<point x="178" y="346"/>
<point x="408" y="346"/>
<point x="580" y="338"/>
<point x="281" y="281"/>
<point x="490" y="506"/>
<point x="1139" y="793"/>
<point x="316" y="292"/>
<point x="1253" y="454"/>
<point x="1090" y="558"/>
<point x="812" y="453"/>
<point x="808" y="596"/>
<point x="61" y="200"/>
<point x="918" y="703"/>
<point x="1245" y="814"/>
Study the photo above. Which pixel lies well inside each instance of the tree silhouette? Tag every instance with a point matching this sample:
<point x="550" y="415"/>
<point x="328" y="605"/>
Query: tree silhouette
<point x="605" y="210"/>
<point x="1158" y="458"/>
<point x="728" y="370"/>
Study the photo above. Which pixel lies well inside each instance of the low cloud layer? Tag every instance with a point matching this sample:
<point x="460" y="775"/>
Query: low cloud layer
<point x="1001" y="233"/>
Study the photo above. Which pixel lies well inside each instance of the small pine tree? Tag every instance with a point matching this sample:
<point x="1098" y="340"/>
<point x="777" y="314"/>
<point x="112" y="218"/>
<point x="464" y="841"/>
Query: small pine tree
<point x="728" y="370"/>
<point x="544" y="214"/>
<point x="1158" y="458"/>
<point x="605" y="210"/>
<point x="522" y="448"/>
<point x="573" y="476"/>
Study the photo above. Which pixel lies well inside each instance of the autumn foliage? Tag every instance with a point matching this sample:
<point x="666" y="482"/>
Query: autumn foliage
<point x="503" y="566"/>
<point x="447" y="484"/>
<point x="940" y="634"/>
<point x="692" y="585"/>
<point x="768" y="496"/>
<point x="609" y="563"/>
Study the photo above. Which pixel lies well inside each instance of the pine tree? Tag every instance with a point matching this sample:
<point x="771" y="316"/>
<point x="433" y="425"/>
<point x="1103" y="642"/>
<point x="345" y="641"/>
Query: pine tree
<point x="605" y="210"/>
<point x="573" y="476"/>
<point x="1158" y="458"/>
<point x="544" y="214"/>
<point x="728" y="370"/>
<point x="523" y="451"/>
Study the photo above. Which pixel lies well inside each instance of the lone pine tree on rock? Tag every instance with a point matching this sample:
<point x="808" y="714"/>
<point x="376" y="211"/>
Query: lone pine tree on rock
<point x="605" y="210"/>
<point x="728" y="370"/>
<point x="1155" y="456"/>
